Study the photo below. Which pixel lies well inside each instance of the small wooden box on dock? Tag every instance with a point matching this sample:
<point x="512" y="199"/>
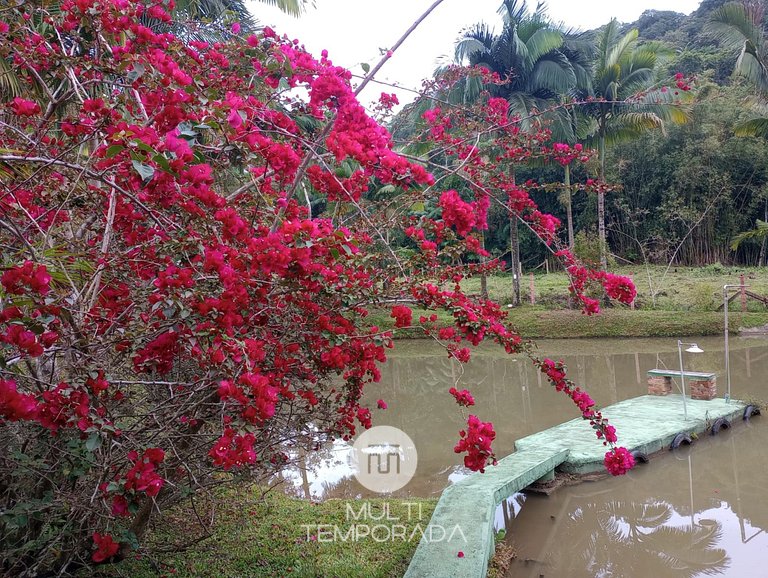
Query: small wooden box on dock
<point x="700" y="385"/>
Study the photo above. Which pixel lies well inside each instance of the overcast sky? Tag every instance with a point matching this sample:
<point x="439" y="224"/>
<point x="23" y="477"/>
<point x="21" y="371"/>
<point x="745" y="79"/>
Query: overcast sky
<point x="354" y="31"/>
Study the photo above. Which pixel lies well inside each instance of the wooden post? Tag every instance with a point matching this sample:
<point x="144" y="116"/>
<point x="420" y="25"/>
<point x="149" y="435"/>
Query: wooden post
<point x="743" y="294"/>
<point x="533" y="291"/>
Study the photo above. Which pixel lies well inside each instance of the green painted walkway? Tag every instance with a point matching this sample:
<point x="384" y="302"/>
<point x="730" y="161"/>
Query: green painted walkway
<point x="463" y="519"/>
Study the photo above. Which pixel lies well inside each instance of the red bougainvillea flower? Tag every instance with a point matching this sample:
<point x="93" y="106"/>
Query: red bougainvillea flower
<point x="402" y="315"/>
<point x="15" y="406"/>
<point x="476" y="441"/>
<point x="462" y="397"/>
<point x="619" y="461"/>
<point x="382" y="404"/>
<point x="106" y="547"/>
<point x="15" y="280"/>
<point x="24" y="107"/>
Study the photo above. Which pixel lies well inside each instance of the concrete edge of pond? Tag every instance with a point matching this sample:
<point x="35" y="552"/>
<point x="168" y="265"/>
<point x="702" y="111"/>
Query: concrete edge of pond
<point x="464" y="516"/>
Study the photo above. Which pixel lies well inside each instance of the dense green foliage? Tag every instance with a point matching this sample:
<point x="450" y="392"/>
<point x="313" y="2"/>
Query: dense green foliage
<point x="684" y="192"/>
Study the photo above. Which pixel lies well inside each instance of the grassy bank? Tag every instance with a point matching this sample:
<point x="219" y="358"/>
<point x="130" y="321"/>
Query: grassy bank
<point x="266" y="535"/>
<point x="670" y="303"/>
<point x="539" y="323"/>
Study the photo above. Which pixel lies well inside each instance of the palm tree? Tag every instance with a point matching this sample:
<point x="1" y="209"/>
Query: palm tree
<point x="625" y="106"/>
<point x="528" y="54"/>
<point x="580" y="52"/>
<point x="625" y="534"/>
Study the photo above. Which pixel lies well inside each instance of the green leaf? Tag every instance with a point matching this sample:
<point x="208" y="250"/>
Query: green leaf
<point x="93" y="443"/>
<point x="145" y="171"/>
<point x="366" y="67"/>
<point x="163" y="163"/>
<point x="113" y="151"/>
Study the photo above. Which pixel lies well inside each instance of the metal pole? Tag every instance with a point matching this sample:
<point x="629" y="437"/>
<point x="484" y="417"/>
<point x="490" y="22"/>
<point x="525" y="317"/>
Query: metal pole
<point x="727" y="356"/>
<point x="682" y="377"/>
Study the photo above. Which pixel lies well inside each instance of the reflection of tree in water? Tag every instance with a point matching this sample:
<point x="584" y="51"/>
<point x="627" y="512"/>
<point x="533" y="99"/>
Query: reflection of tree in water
<point x="619" y="538"/>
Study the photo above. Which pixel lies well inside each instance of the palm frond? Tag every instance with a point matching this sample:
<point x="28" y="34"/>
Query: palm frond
<point x="760" y="232"/>
<point x="645" y="57"/>
<point x="629" y="125"/>
<point x="623" y="49"/>
<point x="733" y="24"/>
<point x="512" y="11"/>
<point x="605" y="39"/>
<point x="476" y="39"/>
<point x="752" y="66"/>
<point x="543" y="42"/>
<point x="291" y="7"/>
<point x="752" y="127"/>
<point x="10" y="85"/>
<point x="636" y="81"/>
<point x="553" y="75"/>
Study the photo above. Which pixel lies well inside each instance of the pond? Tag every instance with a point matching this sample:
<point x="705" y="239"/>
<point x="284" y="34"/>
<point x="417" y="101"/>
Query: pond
<point x="696" y="511"/>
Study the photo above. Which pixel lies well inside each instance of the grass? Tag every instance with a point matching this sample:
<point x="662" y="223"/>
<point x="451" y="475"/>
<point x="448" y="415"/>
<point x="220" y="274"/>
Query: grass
<point x="670" y="303"/>
<point x="259" y="534"/>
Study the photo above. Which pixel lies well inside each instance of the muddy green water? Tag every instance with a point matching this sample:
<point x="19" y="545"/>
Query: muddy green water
<point x="694" y="512"/>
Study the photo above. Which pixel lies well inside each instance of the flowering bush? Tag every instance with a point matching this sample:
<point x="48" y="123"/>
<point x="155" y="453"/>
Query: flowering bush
<point x="170" y="309"/>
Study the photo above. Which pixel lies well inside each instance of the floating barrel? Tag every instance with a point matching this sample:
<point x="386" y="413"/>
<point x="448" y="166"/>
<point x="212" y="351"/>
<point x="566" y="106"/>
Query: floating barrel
<point x="681" y="438"/>
<point x="751" y="410"/>
<point x="720" y="423"/>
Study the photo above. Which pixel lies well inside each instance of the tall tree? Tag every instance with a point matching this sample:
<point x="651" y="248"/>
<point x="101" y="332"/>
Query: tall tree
<point x="624" y="105"/>
<point x="528" y="54"/>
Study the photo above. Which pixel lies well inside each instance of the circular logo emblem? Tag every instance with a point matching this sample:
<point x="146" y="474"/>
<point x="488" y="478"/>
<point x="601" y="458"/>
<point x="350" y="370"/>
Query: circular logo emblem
<point x="384" y="459"/>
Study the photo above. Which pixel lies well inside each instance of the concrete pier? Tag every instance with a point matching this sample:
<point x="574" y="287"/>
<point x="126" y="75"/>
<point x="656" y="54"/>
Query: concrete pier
<point x="463" y="518"/>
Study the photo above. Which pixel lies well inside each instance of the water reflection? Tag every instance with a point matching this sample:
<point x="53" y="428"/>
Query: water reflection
<point x="510" y="393"/>
<point x="694" y="512"/>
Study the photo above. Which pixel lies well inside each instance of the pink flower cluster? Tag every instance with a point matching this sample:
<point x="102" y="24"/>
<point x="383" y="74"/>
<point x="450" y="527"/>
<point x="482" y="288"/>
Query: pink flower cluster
<point x="402" y="315"/>
<point x="457" y="213"/>
<point x="65" y="406"/>
<point x="17" y="280"/>
<point x="565" y="154"/>
<point x="618" y="461"/>
<point x="463" y="397"/>
<point x="616" y="286"/>
<point x="233" y="450"/>
<point x="476" y="441"/>
<point x="15" y="406"/>
<point x="24" y="107"/>
<point x="106" y="547"/>
<point x="681" y="83"/>
<point x="143" y="476"/>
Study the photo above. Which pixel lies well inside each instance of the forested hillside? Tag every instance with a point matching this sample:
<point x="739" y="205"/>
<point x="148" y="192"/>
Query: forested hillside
<point x="680" y="191"/>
